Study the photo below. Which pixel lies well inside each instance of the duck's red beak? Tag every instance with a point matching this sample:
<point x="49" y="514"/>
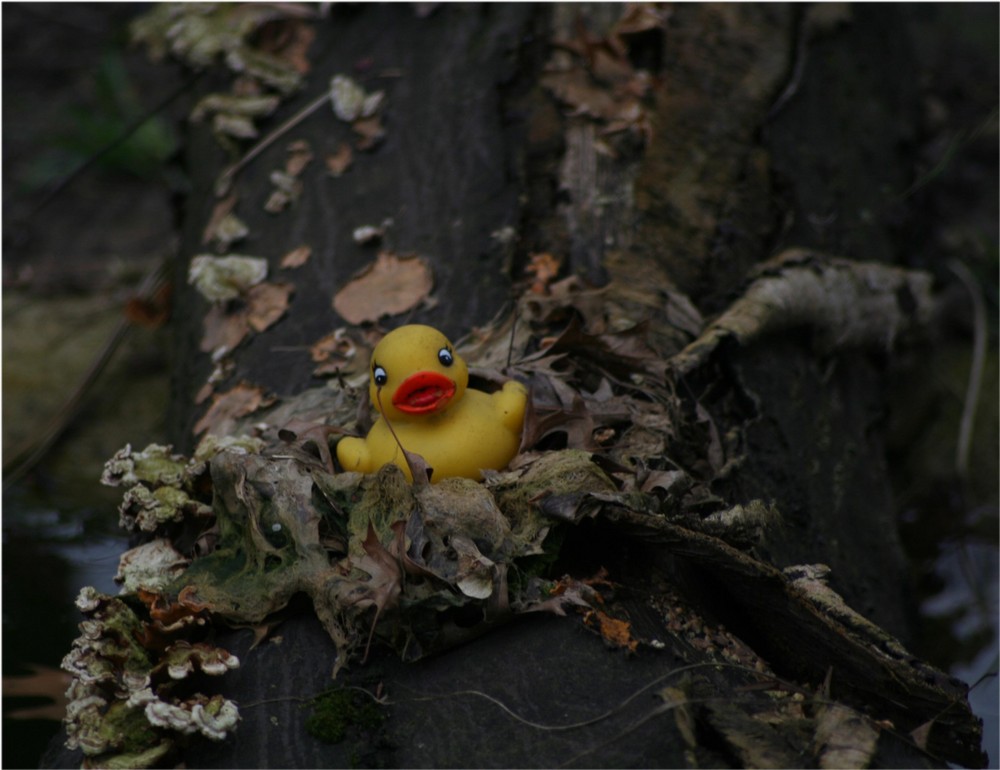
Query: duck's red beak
<point x="423" y="392"/>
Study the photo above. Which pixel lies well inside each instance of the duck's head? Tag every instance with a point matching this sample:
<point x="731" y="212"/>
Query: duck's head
<point x="415" y="371"/>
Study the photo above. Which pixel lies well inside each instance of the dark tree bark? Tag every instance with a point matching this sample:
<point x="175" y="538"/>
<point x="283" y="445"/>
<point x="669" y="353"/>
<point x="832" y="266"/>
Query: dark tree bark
<point x="770" y="127"/>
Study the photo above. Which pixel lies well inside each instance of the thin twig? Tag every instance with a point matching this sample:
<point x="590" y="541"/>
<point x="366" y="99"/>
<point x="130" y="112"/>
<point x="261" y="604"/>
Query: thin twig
<point x="225" y="180"/>
<point x="57" y="188"/>
<point x="31" y="452"/>
<point x="976" y="369"/>
<point x="587" y="722"/>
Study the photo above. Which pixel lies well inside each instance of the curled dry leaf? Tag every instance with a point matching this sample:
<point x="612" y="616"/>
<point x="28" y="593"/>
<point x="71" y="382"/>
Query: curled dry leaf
<point x="244" y="105"/>
<point x="389" y="286"/>
<point x="333" y="352"/>
<point x="227" y="407"/>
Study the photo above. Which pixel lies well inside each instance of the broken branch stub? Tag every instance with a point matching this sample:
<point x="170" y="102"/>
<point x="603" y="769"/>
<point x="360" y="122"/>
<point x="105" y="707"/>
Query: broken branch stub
<point x="846" y="303"/>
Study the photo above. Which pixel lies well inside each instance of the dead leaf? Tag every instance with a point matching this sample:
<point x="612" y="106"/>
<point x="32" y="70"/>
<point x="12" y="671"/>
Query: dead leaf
<point x="389" y="286"/>
<point x="615" y="632"/>
<point x="223" y="330"/>
<point x="386" y="582"/>
<point x="621" y="353"/>
<point x="639" y="17"/>
<point x="151" y="311"/>
<point x="42" y="682"/>
<point x="266" y="303"/>
<point x="575" y="88"/>
<point x="844" y="738"/>
<point x="369" y="130"/>
<point x="287" y="185"/>
<point x="921" y="734"/>
<point x="337" y="163"/>
<point x="303" y="434"/>
<point x="332" y="352"/>
<point x="287" y="190"/>
<point x="228" y="407"/>
<point x="289" y="40"/>
<point x="545" y="268"/>
<point x="221" y="210"/>
<point x="296" y="257"/>
<point x="300" y="155"/>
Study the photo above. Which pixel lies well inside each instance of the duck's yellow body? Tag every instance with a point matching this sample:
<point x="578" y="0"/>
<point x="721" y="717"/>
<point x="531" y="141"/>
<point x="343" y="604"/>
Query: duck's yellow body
<point x="419" y="383"/>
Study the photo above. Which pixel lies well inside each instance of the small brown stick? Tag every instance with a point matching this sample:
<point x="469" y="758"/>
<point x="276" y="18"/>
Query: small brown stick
<point x="225" y="180"/>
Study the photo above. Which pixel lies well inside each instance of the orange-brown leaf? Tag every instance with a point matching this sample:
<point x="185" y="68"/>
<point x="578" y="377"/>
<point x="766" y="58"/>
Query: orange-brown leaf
<point x="338" y="162"/>
<point x="266" y="303"/>
<point x="614" y="631"/>
<point x="545" y="268"/>
<point x="228" y="407"/>
<point x="389" y="286"/>
<point x="296" y="257"/>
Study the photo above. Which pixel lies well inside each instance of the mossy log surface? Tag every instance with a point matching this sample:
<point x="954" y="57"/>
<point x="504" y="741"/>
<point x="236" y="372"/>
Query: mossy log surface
<point x="743" y="655"/>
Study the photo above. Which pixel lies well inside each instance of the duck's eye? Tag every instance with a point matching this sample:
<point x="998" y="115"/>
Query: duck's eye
<point x="379" y="375"/>
<point x="445" y="357"/>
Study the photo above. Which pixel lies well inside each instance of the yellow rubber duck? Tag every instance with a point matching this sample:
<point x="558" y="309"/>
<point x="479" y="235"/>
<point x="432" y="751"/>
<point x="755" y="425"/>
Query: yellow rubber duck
<point x="420" y="384"/>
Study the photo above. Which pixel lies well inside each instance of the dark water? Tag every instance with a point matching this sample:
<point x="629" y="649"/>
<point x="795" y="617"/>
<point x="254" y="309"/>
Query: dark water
<point x="971" y="596"/>
<point x="48" y="555"/>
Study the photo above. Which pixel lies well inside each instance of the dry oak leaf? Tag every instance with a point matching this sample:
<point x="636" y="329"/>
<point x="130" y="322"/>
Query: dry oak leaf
<point x="228" y="407"/>
<point x="389" y="286"/>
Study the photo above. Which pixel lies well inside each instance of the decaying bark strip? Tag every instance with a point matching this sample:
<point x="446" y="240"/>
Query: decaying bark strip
<point x="846" y="304"/>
